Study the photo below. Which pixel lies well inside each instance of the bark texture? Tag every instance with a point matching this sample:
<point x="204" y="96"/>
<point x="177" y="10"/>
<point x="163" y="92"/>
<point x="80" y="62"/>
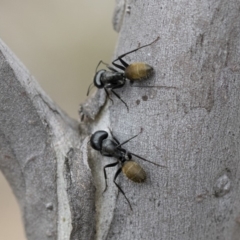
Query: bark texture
<point x="188" y="111"/>
<point x="42" y="157"/>
<point x="192" y="128"/>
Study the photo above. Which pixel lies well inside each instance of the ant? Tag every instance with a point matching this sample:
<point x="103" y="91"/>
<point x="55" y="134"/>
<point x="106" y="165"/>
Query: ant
<point x="114" y="79"/>
<point x="111" y="147"/>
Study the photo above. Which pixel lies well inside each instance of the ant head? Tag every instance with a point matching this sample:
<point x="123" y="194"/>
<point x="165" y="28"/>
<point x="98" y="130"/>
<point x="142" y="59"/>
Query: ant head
<point x="97" y="138"/>
<point x="97" y="78"/>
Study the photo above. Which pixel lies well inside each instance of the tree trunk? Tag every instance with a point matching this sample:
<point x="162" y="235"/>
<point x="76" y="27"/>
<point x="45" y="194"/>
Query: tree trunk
<point x="189" y="116"/>
<point x="42" y="157"/>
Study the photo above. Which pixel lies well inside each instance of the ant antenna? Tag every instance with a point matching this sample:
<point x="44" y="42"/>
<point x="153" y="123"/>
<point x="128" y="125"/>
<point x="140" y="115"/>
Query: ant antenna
<point x="126" y="141"/>
<point x="89" y="88"/>
<point x="147" y="160"/>
<point x="99" y="65"/>
<point x="119" y="145"/>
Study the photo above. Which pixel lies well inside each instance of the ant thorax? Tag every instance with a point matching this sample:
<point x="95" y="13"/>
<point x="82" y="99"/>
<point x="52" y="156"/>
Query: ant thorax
<point x="111" y="77"/>
<point x="109" y="148"/>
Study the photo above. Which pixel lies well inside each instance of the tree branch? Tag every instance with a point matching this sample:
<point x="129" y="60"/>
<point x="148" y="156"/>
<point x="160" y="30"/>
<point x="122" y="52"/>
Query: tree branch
<point x="190" y="123"/>
<point x="41" y="157"/>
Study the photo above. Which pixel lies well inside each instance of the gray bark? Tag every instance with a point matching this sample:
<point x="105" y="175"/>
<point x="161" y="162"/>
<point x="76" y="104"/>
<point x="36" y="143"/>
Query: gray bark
<point x="190" y="121"/>
<point x="42" y="157"/>
<point x="193" y="129"/>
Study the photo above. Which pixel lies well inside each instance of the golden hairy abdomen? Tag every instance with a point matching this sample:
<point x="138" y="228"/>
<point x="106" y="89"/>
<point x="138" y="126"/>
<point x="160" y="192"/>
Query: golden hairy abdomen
<point x="134" y="171"/>
<point x="138" y="71"/>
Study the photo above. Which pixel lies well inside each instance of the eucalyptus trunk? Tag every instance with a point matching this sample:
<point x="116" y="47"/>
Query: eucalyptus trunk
<point x="188" y="116"/>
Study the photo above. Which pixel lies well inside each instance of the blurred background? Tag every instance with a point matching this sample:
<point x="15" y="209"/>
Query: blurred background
<point x="60" y="42"/>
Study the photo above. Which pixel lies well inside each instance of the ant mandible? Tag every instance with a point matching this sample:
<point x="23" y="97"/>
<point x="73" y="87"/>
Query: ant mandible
<point x="114" y="79"/>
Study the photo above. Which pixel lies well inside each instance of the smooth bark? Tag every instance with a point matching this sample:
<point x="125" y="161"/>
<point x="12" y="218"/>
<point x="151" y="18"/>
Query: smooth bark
<point x="188" y="113"/>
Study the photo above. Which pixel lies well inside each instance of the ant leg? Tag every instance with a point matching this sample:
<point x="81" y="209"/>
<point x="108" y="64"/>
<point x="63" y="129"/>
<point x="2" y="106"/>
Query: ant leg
<point x="119" y="66"/>
<point x="156" y="86"/>
<point x="108" y="95"/>
<point x="105" y="174"/>
<point x="107" y="65"/>
<point x="120" y="99"/>
<point x="134" y="50"/>
<point x="120" y="189"/>
<point x="147" y="160"/>
<point x="111" y="68"/>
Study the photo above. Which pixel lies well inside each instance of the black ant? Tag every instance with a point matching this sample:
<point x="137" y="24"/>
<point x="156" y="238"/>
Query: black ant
<point x="111" y="147"/>
<point x="114" y="79"/>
